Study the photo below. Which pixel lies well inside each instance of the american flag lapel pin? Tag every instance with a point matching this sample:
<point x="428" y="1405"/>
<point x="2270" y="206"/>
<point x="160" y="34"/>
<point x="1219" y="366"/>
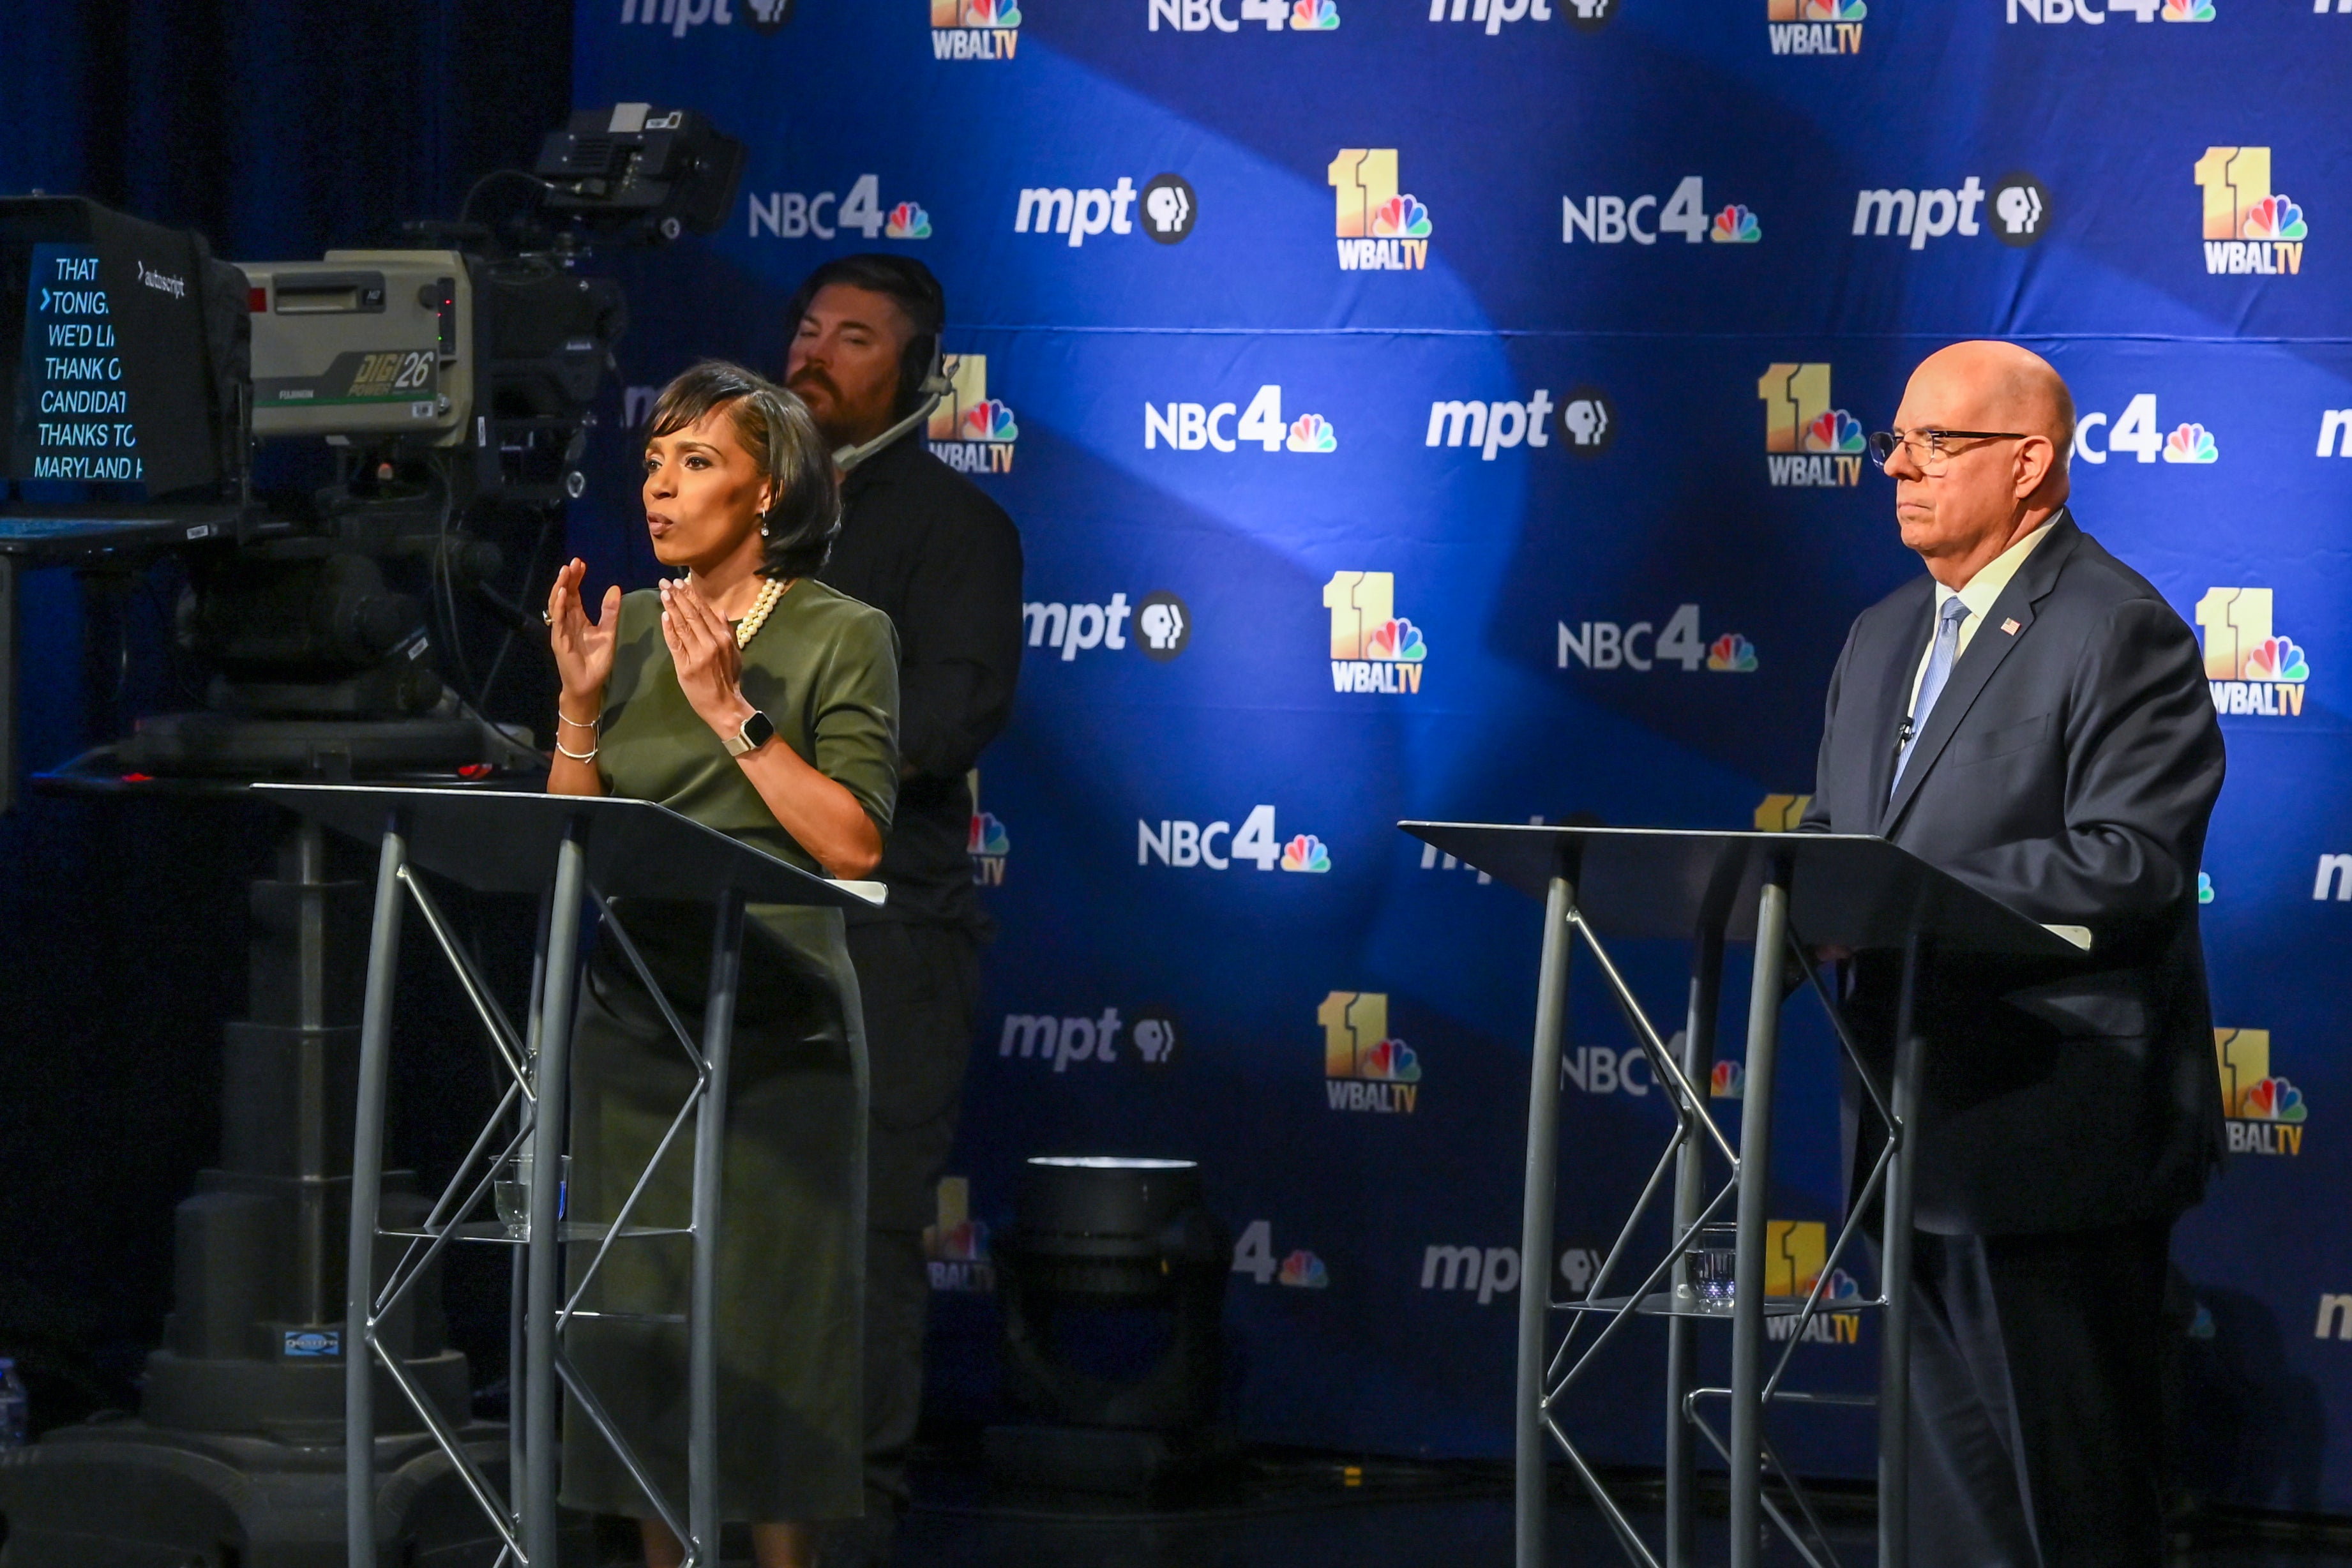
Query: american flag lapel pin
<point x="2010" y="625"/>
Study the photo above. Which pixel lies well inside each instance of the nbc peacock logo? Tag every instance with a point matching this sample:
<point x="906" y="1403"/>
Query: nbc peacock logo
<point x="1815" y="27"/>
<point x="975" y="29"/>
<point x="1380" y="229"/>
<point x="2248" y="227"/>
<point x="1373" y="649"/>
<point x="1364" y="1067"/>
<point x="2265" y="1113"/>
<point x="2249" y="667"/>
<point x="971" y="431"/>
<point x="988" y="843"/>
<point x="1807" y="444"/>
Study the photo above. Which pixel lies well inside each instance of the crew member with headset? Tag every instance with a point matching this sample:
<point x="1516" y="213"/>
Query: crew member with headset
<point x="927" y="546"/>
<point x="2033" y="717"/>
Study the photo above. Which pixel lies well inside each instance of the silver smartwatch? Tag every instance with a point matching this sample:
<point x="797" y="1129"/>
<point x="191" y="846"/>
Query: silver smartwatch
<point x="756" y="732"/>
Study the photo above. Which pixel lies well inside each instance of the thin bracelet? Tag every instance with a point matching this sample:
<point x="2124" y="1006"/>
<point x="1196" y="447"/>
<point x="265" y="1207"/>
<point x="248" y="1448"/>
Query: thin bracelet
<point x="579" y="724"/>
<point x="587" y="756"/>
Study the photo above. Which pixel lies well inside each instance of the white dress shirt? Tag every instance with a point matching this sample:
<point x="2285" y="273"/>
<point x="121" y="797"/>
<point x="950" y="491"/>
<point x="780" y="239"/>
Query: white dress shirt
<point x="1979" y="595"/>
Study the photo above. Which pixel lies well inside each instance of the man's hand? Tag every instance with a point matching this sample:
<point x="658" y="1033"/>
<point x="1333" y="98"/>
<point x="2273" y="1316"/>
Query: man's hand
<point x="709" y="665"/>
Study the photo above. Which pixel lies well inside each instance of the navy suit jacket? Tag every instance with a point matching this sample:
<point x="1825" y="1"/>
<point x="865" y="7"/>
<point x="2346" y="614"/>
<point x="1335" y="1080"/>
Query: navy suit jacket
<point x="2068" y="769"/>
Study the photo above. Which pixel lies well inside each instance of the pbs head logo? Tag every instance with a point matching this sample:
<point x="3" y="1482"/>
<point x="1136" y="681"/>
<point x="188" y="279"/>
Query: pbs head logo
<point x="1154" y="1034"/>
<point x="1588" y="419"/>
<point x="769" y="16"/>
<point x="1164" y="625"/>
<point x="1170" y="207"/>
<point x="2021" y="209"/>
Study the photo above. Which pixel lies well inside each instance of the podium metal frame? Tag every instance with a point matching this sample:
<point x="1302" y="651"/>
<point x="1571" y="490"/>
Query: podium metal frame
<point x="1856" y="892"/>
<point x="580" y="853"/>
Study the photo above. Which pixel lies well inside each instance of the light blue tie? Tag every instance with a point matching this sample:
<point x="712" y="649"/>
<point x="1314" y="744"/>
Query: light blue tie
<point x="1931" y="684"/>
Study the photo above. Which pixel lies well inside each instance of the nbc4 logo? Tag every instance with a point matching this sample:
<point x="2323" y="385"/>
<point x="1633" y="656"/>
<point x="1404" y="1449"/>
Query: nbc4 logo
<point x="1612" y="220"/>
<point x="2135" y="431"/>
<point x="955" y="1246"/>
<point x="1795" y="1253"/>
<point x="2248" y="667"/>
<point x="1807" y="443"/>
<point x="971" y="431"/>
<point x="2248" y="228"/>
<point x="1380" y="230"/>
<point x="1815" y="27"/>
<point x="1200" y="16"/>
<point x="1188" y="844"/>
<point x="2265" y="1114"/>
<point x="1254" y="1256"/>
<point x="1371" y="648"/>
<point x="1364" y="1067"/>
<point x="798" y="214"/>
<point x="2049" y="11"/>
<point x="1607" y="644"/>
<point x="988" y="843"/>
<point x="974" y="29"/>
<point x="1190" y="426"/>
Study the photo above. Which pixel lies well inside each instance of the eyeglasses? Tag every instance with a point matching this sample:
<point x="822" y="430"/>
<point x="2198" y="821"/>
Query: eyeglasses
<point x="1928" y="448"/>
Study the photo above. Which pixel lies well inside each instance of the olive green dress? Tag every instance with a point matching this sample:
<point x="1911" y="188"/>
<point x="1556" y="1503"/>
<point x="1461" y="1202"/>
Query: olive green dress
<point x="792" y="1223"/>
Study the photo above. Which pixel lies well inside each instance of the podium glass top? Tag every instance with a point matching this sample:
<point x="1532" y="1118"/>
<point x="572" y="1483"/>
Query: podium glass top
<point x="1847" y="890"/>
<point x="505" y="841"/>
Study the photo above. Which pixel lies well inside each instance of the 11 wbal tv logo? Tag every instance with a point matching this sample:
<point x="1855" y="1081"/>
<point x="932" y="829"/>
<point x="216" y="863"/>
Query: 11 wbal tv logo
<point x="971" y="431"/>
<point x="1612" y="220"/>
<point x="1372" y="648"/>
<point x="1807" y="443"/>
<point x="1815" y="27"/>
<point x="2249" y="667"/>
<point x="1795" y="1253"/>
<point x="988" y="843"/>
<point x="1364" y="1067"/>
<point x="975" y="29"/>
<point x="1202" y="15"/>
<point x="2266" y="1114"/>
<point x="2249" y="228"/>
<point x="1380" y="229"/>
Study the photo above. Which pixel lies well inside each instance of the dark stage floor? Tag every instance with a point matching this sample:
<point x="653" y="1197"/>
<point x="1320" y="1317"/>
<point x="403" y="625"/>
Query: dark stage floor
<point x="1294" y="1510"/>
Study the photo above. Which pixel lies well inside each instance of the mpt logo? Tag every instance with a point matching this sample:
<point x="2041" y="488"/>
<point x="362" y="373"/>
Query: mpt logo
<point x="1380" y="230"/>
<point x="1608" y="645"/>
<point x="2020" y="211"/>
<point x="2247" y="227"/>
<point x="1492" y="427"/>
<point x="1082" y="214"/>
<point x="1163" y="619"/>
<point x="1612" y="220"/>
<point x="679" y="16"/>
<point x="1191" y="426"/>
<point x="1494" y="1270"/>
<point x="1809" y="442"/>
<point x="1584" y="16"/>
<point x="1177" y="842"/>
<point x="1063" y="1041"/>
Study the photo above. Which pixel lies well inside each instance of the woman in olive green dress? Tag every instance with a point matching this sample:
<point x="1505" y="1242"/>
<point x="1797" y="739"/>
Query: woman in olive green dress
<point x="751" y="697"/>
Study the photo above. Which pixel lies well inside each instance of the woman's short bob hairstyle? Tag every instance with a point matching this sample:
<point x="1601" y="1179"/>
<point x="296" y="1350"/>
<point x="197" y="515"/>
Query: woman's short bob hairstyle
<point x="775" y="428"/>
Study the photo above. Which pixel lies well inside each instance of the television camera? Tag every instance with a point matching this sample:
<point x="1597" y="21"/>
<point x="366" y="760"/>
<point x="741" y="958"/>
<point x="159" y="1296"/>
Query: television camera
<point x="342" y="451"/>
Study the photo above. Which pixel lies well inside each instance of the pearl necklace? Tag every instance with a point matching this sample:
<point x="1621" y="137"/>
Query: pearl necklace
<point x="749" y="627"/>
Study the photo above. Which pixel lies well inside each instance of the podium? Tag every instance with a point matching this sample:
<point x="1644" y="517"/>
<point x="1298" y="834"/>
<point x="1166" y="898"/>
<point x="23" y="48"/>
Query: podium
<point x="1788" y="894"/>
<point x="576" y="852"/>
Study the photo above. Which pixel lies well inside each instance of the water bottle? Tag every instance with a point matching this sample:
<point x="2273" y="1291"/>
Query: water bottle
<point x="14" y="1431"/>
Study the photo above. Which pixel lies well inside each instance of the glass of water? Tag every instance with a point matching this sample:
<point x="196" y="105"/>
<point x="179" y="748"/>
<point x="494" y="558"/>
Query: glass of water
<point x="1714" y="1253"/>
<point x="511" y="1192"/>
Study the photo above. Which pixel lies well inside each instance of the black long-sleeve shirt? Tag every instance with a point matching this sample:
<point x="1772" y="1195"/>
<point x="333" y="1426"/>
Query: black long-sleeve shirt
<point x="929" y="549"/>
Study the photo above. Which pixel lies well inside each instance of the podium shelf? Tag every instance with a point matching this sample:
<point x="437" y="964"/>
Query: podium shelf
<point x="494" y="1232"/>
<point x="1662" y="1304"/>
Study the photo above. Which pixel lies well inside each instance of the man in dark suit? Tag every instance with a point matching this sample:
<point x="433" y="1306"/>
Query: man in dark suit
<point x="2032" y="718"/>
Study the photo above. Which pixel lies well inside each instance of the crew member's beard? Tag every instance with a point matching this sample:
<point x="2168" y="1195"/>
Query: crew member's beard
<point x="837" y="431"/>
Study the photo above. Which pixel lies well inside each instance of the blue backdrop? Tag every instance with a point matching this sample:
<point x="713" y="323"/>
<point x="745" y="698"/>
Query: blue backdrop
<point x="1453" y="408"/>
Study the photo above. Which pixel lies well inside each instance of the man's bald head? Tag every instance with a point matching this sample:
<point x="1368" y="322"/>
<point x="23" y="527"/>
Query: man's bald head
<point x="1989" y="491"/>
